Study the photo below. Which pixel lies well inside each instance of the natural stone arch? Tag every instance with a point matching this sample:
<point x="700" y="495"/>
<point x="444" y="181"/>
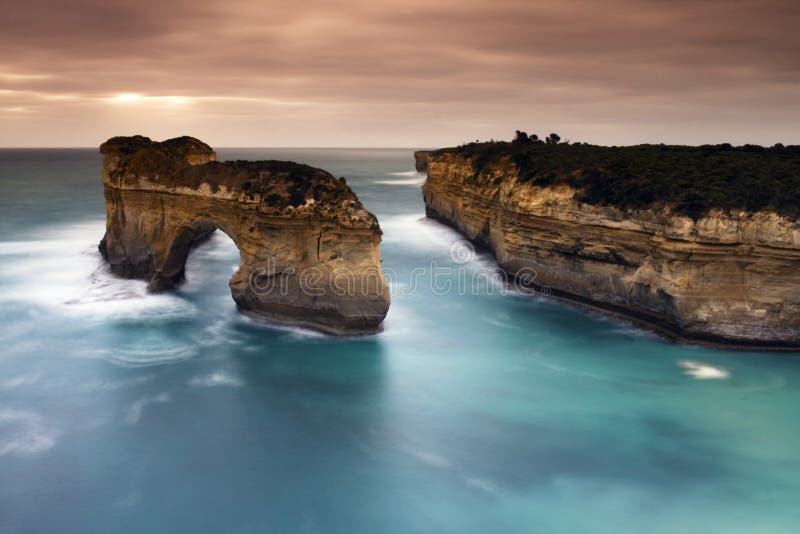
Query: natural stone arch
<point x="295" y="227"/>
<point x="172" y="270"/>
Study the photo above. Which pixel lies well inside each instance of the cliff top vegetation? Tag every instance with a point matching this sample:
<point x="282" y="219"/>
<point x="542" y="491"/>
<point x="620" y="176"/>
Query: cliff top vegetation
<point x="689" y="179"/>
<point x="279" y="183"/>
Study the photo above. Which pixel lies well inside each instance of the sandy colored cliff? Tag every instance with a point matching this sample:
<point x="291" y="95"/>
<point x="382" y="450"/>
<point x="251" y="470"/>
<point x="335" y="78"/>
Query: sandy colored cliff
<point x="309" y="250"/>
<point x="727" y="277"/>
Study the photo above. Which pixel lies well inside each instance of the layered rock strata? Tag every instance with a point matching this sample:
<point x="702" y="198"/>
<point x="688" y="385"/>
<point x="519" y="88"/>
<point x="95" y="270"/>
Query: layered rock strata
<point x="309" y="250"/>
<point x="728" y="277"/>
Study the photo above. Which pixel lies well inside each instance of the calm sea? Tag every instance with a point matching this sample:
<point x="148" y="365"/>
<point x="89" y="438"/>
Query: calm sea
<point x="474" y="411"/>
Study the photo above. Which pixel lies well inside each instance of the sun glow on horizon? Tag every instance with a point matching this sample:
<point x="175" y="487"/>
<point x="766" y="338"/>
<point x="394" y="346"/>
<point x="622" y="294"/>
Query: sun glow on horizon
<point x="135" y="98"/>
<point x="125" y="98"/>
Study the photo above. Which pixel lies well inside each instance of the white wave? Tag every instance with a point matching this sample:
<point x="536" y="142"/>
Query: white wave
<point x="500" y="323"/>
<point x="22" y="248"/>
<point x="438" y="461"/>
<point x="417" y="179"/>
<point x="64" y="383"/>
<point x="216" y="380"/>
<point x="22" y="380"/>
<point x="24" y="433"/>
<point x="218" y="246"/>
<point x="593" y="376"/>
<point x="399" y="182"/>
<point x="406" y="173"/>
<point x="481" y="484"/>
<point x="138" y="406"/>
<point x="428" y="457"/>
<point x="62" y="270"/>
<point x="216" y="334"/>
<point x="702" y="371"/>
<point x="144" y="355"/>
<point x="217" y="328"/>
<point x="421" y="232"/>
<point x="422" y="454"/>
<point x="292" y="331"/>
<point x="401" y="321"/>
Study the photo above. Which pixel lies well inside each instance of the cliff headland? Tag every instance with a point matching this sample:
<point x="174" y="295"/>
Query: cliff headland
<point x="701" y="242"/>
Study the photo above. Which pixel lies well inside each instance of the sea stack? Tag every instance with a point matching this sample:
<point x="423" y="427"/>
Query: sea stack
<point x="644" y="231"/>
<point x="309" y="250"/>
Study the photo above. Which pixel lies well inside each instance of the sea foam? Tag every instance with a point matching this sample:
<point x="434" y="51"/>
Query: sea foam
<point x="138" y="406"/>
<point x="62" y="270"/>
<point x="702" y="371"/>
<point x="216" y="379"/>
<point x="24" y="433"/>
<point x="412" y="178"/>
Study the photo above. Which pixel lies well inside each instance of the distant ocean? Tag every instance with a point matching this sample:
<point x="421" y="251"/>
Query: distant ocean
<point x="472" y="412"/>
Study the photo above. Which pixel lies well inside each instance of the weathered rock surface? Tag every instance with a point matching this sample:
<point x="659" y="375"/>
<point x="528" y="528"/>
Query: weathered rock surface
<point x="421" y="158"/>
<point x="309" y="250"/>
<point x="730" y="278"/>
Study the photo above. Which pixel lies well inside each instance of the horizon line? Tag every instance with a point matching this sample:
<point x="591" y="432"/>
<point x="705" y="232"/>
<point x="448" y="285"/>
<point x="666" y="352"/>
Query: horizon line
<point x="295" y="147"/>
<point x="81" y="147"/>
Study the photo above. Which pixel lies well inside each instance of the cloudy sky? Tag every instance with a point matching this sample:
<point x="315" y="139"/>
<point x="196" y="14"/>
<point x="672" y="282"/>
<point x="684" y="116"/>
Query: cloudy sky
<point x="409" y="73"/>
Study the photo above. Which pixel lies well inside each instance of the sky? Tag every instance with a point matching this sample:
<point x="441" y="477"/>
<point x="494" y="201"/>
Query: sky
<point x="410" y="73"/>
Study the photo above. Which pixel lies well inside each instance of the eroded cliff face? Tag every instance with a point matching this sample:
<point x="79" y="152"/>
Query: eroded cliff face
<point x="728" y="278"/>
<point x="421" y="158"/>
<point x="309" y="250"/>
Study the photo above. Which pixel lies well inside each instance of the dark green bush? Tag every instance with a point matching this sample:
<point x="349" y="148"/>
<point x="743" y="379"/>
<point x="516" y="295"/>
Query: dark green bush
<point x="690" y="179"/>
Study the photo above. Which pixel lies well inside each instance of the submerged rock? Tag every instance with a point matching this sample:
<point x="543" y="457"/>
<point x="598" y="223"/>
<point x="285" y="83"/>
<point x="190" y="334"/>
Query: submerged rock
<point x="309" y="250"/>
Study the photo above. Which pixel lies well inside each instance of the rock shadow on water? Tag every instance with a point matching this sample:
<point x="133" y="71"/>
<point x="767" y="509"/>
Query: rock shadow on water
<point x="568" y="320"/>
<point x="287" y="363"/>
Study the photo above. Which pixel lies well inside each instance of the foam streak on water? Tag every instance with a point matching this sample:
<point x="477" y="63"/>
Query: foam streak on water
<point x="62" y="271"/>
<point x="409" y="178"/>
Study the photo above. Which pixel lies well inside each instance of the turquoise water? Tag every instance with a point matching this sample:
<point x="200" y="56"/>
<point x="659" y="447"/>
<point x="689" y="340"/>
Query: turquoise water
<point x="472" y="412"/>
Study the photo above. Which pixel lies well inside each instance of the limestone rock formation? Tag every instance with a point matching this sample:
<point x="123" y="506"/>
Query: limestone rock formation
<point x="421" y="158"/>
<point x="729" y="277"/>
<point x="309" y="250"/>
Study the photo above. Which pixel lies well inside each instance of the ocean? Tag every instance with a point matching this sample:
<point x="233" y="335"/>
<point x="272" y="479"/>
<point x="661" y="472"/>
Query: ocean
<point x="477" y="409"/>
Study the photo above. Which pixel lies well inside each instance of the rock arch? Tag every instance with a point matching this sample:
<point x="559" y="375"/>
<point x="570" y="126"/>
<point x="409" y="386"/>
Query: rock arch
<point x="297" y="229"/>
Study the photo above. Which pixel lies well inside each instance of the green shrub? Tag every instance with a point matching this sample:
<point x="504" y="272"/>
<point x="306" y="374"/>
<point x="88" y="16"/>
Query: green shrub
<point x="690" y="179"/>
